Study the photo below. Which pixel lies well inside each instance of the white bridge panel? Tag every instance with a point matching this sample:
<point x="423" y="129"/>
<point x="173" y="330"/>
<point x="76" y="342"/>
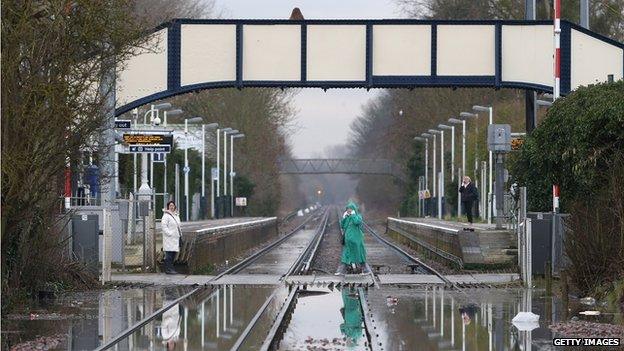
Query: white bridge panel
<point x="336" y="52"/>
<point x="592" y="60"/>
<point x="207" y="53"/>
<point x="272" y="52"/>
<point x="527" y="54"/>
<point x="145" y="73"/>
<point x="465" y="50"/>
<point x="402" y="50"/>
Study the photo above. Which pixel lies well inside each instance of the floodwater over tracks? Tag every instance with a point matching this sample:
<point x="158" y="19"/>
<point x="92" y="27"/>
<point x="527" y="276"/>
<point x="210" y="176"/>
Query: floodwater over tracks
<point x="402" y="319"/>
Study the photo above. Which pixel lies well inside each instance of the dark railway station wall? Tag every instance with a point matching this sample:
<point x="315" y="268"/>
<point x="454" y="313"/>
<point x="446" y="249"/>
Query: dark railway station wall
<point x="486" y="249"/>
<point x="203" y="251"/>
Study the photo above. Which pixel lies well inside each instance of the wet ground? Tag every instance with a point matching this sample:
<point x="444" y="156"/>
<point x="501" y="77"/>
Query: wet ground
<point x="279" y="260"/>
<point x="81" y="321"/>
<point x="323" y="319"/>
<point x="217" y="317"/>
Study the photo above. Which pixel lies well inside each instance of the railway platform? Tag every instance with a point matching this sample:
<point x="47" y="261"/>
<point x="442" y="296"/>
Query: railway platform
<point x="465" y="245"/>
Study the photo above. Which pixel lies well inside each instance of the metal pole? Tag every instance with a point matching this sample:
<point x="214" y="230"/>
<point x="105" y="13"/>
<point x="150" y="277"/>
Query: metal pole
<point x="165" y="194"/>
<point x="177" y="185"/>
<point x="441" y="173"/>
<point x="218" y="162"/>
<point x="186" y="185"/>
<point x="426" y="163"/>
<point x="440" y="195"/>
<point x="557" y="35"/>
<point x="459" y="180"/>
<point x="231" y="176"/>
<point x="151" y="157"/>
<point x="463" y="148"/>
<point x="490" y="176"/>
<point x="203" y="172"/>
<point x="585" y="14"/>
<point x="225" y="164"/>
<point x="134" y="175"/>
<point x="452" y="153"/>
<point x="435" y="183"/>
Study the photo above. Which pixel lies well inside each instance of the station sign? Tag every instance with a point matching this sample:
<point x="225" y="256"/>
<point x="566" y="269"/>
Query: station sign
<point x="148" y="139"/>
<point x="150" y="149"/>
<point x="241" y="201"/>
<point x="123" y="124"/>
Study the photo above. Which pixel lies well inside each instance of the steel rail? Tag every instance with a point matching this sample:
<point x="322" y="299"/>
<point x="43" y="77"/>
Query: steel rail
<point x="131" y="329"/>
<point x="289" y="300"/>
<point x="301" y="264"/>
<point x="371" y="334"/>
<point x="409" y="257"/>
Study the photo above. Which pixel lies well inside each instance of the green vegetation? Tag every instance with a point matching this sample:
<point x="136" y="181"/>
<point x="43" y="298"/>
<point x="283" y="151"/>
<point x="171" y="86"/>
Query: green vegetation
<point x="54" y="54"/>
<point x="580" y="146"/>
<point x="573" y="146"/>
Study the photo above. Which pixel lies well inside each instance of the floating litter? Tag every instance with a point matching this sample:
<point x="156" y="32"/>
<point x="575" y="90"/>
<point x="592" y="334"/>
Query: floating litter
<point x="526" y="321"/>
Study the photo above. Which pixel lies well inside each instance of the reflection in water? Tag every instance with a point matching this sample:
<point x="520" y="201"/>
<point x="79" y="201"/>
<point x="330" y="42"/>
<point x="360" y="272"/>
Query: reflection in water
<point x="405" y="319"/>
<point x="170" y="326"/>
<point x="352" y="316"/>
<point x="475" y="319"/>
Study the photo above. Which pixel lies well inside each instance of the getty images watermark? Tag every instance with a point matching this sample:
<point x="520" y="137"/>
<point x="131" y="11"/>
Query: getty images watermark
<point x="586" y="342"/>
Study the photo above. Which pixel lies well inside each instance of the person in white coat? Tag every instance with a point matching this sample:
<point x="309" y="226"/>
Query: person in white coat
<point x="171" y="231"/>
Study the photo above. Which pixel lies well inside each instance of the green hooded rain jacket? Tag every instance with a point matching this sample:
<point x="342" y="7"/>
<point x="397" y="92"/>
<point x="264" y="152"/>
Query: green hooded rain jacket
<point x="353" y="250"/>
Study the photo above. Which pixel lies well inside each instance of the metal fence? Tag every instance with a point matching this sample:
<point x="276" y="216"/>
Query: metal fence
<point x="130" y="240"/>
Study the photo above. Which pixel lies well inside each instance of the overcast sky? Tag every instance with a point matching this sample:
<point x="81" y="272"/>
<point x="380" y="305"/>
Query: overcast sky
<point x="323" y="117"/>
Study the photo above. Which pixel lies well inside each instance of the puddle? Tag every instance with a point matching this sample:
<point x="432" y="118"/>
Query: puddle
<point x="325" y="320"/>
<point x="405" y="319"/>
<point x="81" y="321"/>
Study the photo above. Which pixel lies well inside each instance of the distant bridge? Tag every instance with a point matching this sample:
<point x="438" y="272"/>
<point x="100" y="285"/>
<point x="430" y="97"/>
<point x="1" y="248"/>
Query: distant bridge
<point x="341" y="166"/>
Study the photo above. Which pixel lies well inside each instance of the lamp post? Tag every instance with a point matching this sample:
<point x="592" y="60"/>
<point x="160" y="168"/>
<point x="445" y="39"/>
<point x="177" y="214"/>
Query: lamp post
<point x="232" y="137"/>
<point x="452" y="128"/>
<point x="186" y="166"/>
<point x="491" y="121"/>
<point x="426" y="136"/>
<point x="465" y="116"/>
<point x="145" y="192"/>
<point x="441" y="176"/>
<point x="463" y="167"/>
<point x="218" y="187"/>
<point x="203" y="171"/>
<point x="225" y="168"/>
<point x="175" y="112"/>
<point x="426" y="140"/>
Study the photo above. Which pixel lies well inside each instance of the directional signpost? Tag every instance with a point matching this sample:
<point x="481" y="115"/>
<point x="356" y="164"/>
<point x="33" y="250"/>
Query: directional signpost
<point x="123" y="124"/>
<point x="149" y="149"/>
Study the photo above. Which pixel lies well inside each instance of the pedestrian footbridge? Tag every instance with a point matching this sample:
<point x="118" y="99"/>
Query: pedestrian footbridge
<point x="341" y="166"/>
<point x="187" y="55"/>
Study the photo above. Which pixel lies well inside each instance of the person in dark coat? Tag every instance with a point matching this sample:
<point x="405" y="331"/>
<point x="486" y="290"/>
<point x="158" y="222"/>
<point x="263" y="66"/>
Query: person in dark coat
<point x="469" y="194"/>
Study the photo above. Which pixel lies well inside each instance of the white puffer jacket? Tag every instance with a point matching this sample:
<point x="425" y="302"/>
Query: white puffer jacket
<point x="170" y="224"/>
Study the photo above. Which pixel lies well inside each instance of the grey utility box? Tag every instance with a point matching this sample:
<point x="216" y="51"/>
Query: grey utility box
<point x="546" y="245"/>
<point x="85" y="243"/>
<point x="499" y="137"/>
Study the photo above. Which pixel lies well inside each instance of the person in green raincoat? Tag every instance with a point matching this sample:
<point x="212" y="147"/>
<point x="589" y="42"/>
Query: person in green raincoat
<point x="353" y="252"/>
<point x="352" y="315"/>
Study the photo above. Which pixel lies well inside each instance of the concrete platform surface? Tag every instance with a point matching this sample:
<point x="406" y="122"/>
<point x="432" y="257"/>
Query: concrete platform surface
<point x="449" y="224"/>
<point x="219" y="224"/>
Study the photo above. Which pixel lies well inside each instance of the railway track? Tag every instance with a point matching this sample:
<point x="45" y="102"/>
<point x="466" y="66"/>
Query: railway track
<point x="300" y="265"/>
